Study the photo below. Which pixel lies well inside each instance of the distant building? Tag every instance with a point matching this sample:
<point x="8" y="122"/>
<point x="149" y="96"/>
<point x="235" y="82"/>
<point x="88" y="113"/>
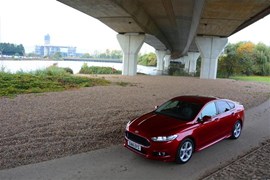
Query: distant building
<point x="48" y="50"/>
<point x="47" y="39"/>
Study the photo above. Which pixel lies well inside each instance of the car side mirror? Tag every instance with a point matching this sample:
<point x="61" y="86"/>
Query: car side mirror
<point x="156" y="107"/>
<point x="206" y="119"/>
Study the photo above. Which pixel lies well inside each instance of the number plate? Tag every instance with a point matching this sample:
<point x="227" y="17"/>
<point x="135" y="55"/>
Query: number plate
<point x="134" y="145"/>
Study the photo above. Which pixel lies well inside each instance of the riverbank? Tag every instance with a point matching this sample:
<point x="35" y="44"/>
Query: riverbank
<point x="48" y="80"/>
<point x="40" y="127"/>
<point x="32" y="65"/>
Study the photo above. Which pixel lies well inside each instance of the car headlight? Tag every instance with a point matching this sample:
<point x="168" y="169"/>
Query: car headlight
<point x="128" y="124"/>
<point x="164" y="138"/>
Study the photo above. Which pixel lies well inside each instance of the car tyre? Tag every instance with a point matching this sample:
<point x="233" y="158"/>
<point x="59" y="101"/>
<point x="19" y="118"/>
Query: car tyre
<point x="185" y="151"/>
<point x="237" y="129"/>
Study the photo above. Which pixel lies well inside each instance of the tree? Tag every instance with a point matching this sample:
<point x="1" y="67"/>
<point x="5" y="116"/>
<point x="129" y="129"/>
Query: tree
<point x="149" y="59"/>
<point x="20" y="50"/>
<point x="32" y="54"/>
<point x="228" y="63"/>
<point x="11" y="49"/>
<point x="245" y="58"/>
<point x="86" y="55"/>
<point x="57" y="55"/>
<point x="116" y="54"/>
<point x="245" y="52"/>
<point x="262" y="56"/>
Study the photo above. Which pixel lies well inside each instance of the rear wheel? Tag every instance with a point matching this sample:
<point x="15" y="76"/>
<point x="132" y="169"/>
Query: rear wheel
<point x="185" y="151"/>
<point x="237" y="128"/>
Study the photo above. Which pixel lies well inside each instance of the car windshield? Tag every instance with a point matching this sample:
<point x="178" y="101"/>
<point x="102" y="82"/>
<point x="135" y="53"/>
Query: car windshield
<point x="179" y="109"/>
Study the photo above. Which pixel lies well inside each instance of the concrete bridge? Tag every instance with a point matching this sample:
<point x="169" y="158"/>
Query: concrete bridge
<point x="184" y="29"/>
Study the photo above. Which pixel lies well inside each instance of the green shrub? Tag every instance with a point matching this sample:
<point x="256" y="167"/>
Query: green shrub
<point x="85" y="69"/>
<point x="50" y="79"/>
<point x="68" y="70"/>
<point x="50" y="71"/>
<point x="177" y="69"/>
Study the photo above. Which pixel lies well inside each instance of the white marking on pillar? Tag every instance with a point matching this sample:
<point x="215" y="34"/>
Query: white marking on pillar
<point x="193" y="57"/>
<point x="160" y="59"/>
<point x="210" y="48"/>
<point x="131" y="44"/>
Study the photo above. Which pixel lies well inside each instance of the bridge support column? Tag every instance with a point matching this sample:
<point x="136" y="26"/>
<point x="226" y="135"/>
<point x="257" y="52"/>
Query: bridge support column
<point x="193" y="57"/>
<point x="131" y="44"/>
<point x="167" y="60"/>
<point x="182" y="60"/>
<point x="160" y="60"/>
<point x="210" y="48"/>
<point x="186" y="61"/>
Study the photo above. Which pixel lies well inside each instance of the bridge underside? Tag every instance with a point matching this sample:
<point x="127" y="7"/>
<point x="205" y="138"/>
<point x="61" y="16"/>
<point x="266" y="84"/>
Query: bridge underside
<point x="173" y="24"/>
<point x="177" y="27"/>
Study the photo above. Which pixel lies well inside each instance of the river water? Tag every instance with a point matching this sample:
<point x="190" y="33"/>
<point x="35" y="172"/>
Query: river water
<point x="32" y="65"/>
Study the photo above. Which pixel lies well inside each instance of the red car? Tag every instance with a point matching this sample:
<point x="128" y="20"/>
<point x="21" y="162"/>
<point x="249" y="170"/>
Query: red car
<point x="183" y="125"/>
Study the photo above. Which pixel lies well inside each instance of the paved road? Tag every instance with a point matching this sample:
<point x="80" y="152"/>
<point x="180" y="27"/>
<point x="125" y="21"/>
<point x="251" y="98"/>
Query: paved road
<point x="118" y="163"/>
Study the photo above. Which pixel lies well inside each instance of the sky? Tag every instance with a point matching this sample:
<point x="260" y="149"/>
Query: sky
<point x="28" y="21"/>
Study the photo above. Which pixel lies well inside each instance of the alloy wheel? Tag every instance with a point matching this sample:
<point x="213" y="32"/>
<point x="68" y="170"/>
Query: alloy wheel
<point x="237" y="129"/>
<point x="186" y="151"/>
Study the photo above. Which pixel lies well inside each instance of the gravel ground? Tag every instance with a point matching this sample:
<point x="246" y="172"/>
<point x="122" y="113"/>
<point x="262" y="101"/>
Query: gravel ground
<point x="40" y="127"/>
<point x="254" y="165"/>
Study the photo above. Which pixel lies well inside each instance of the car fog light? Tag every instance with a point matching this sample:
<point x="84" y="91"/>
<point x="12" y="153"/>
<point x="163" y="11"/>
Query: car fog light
<point x="159" y="153"/>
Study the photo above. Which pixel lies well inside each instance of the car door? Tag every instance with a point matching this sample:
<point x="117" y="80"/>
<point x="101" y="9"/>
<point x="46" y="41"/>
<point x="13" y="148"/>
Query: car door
<point x="225" y="118"/>
<point x="207" y="132"/>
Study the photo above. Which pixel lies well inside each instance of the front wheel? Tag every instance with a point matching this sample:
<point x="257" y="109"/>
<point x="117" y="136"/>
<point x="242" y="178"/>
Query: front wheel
<point x="184" y="151"/>
<point x="237" y="128"/>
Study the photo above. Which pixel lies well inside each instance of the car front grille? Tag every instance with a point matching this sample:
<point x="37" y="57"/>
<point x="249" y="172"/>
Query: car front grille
<point x="137" y="139"/>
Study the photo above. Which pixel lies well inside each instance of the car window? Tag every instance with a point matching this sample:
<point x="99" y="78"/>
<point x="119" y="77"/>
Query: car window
<point x="170" y="105"/>
<point x="179" y="109"/>
<point x="209" y="110"/>
<point x="232" y="105"/>
<point x="223" y="106"/>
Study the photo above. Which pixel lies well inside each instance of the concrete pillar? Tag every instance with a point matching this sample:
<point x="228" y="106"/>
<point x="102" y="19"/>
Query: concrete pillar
<point x="186" y="61"/>
<point x="160" y="59"/>
<point x="167" y="60"/>
<point x="193" y="57"/>
<point x="210" y="48"/>
<point x="182" y="60"/>
<point x="131" y="44"/>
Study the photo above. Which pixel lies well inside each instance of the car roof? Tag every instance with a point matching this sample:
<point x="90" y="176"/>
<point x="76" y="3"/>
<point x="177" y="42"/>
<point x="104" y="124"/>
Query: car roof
<point x="196" y="99"/>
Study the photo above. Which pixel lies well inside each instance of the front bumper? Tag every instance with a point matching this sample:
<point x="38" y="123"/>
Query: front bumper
<point x="164" y="151"/>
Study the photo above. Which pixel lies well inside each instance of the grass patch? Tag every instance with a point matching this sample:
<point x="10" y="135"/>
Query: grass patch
<point x="124" y="84"/>
<point x="98" y="70"/>
<point x="48" y="80"/>
<point x="263" y="79"/>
